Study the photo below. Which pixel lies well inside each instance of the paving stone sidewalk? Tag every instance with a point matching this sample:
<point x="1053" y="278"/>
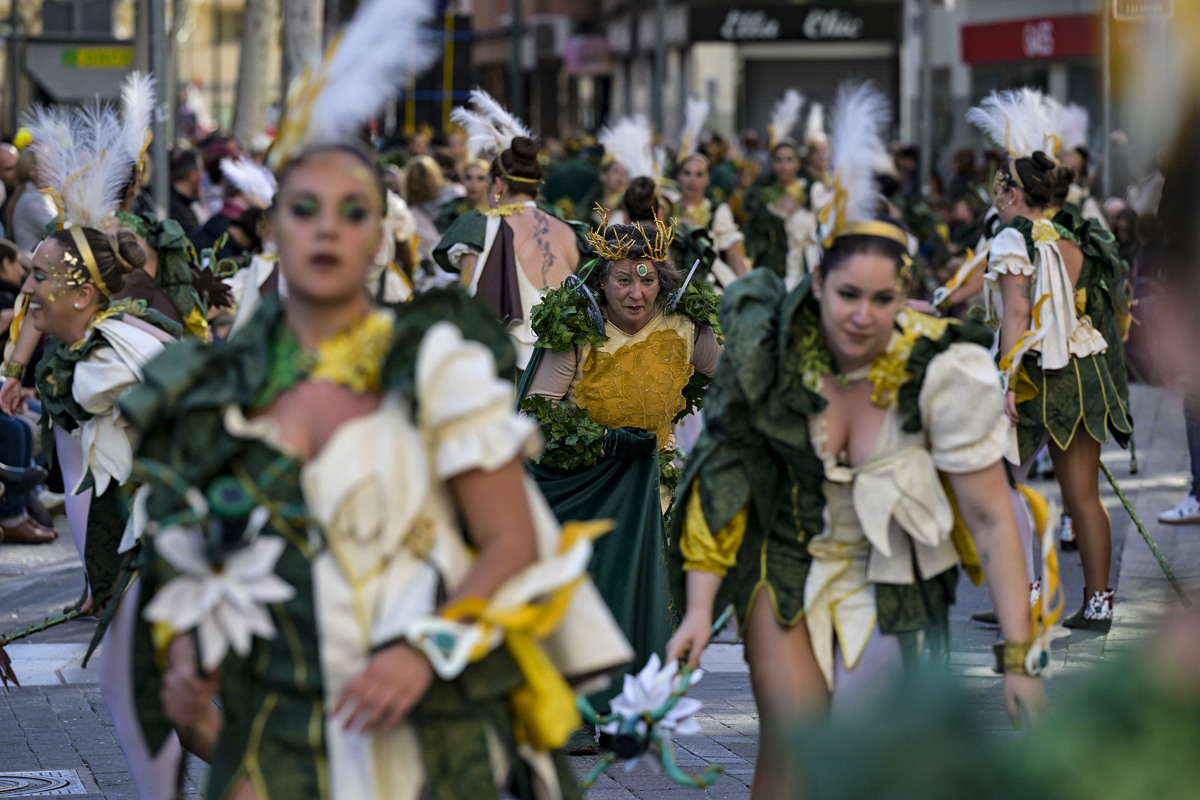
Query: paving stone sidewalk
<point x="59" y="721"/>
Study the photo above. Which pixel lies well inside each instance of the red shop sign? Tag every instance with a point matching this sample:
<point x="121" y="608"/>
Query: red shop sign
<point x="1073" y="36"/>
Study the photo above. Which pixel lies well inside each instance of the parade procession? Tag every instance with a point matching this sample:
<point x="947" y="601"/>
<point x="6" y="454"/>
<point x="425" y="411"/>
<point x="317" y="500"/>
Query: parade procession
<point x="458" y="400"/>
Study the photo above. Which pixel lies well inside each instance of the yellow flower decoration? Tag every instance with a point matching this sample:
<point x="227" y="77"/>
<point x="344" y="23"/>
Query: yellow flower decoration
<point x="354" y="357"/>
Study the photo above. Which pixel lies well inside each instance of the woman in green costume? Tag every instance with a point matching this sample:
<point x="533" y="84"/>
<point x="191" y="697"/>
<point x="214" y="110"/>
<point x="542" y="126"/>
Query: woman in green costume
<point x="814" y="502"/>
<point x="475" y="181"/>
<point x="781" y="227"/>
<point x="696" y="210"/>
<point x="345" y="544"/>
<point x="606" y="398"/>
<point x="1059" y="342"/>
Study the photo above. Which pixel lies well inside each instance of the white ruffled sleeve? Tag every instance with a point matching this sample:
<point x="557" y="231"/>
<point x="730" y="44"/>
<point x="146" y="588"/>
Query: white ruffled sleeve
<point x="456" y="252"/>
<point x="962" y="409"/>
<point x="465" y="410"/>
<point x="725" y="232"/>
<point x="1008" y="254"/>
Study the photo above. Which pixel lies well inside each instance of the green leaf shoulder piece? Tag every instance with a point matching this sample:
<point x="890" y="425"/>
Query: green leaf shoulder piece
<point x="562" y="321"/>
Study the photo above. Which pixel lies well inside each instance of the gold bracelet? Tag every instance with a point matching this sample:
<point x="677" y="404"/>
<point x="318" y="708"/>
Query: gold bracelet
<point x="13" y="369"/>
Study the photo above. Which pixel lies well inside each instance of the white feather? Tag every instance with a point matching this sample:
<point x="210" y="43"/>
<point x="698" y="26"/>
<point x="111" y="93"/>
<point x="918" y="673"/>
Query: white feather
<point x="254" y="181"/>
<point x="631" y="142"/>
<point x="860" y="117"/>
<point x="1068" y="122"/>
<point x="784" y="116"/>
<point x="500" y="117"/>
<point x="814" y="127"/>
<point x="81" y="155"/>
<point x="694" y="116"/>
<point x="1015" y="119"/>
<point x="382" y="47"/>
<point x="137" y="111"/>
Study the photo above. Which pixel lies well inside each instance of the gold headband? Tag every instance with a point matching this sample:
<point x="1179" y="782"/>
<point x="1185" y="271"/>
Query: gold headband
<point x="872" y="227"/>
<point x="89" y="260"/>
<point x="513" y="178"/>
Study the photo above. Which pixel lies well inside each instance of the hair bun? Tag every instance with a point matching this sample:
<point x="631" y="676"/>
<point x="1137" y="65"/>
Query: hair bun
<point x="524" y="149"/>
<point x="1043" y="161"/>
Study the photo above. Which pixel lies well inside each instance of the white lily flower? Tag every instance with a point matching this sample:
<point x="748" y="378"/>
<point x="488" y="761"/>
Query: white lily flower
<point x="228" y="608"/>
<point x="646" y="693"/>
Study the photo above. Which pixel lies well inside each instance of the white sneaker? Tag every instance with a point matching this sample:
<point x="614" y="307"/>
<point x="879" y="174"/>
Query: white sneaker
<point x="1185" y="513"/>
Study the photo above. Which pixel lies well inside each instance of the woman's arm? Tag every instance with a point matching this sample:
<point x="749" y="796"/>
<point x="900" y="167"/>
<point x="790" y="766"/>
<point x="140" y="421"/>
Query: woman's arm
<point x="695" y="629"/>
<point x="735" y="257"/>
<point x="983" y="501"/>
<point x="1016" y="292"/>
<point x="707" y="352"/>
<point x="466" y="268"/>
<point x="12" y="401"/>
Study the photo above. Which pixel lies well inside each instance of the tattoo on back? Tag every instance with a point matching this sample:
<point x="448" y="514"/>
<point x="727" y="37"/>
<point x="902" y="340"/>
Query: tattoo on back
<point x="541" y="232"/>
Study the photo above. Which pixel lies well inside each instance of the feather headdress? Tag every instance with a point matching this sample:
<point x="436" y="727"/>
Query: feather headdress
<point x="1015" y="119"/>
<point x="860" y="118"/>
<point x="490" y="127"/>
<point x="632" y="143"/>
<point x="693" y="123"/>
<point x="784" y="117"/>
<point x="814" y="126"/>
<point x="137" y="114"/>
<point x="82" y="160"/>
<point x="255" y="182"/>
<point x="382" y="47"/>
<point x="1069" y="123"/>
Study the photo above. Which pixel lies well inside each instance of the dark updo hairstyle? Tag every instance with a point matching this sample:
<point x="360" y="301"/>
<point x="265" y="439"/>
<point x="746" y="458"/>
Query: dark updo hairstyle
<point x="1044" y="181"/>
<point x="518" y="166"/>
<point x="641" y="200"/>
<point x="669" y="278"/>
<point x="9" y="251"/>
<point x="853" y="244"/>
<point x="116" y="255"/>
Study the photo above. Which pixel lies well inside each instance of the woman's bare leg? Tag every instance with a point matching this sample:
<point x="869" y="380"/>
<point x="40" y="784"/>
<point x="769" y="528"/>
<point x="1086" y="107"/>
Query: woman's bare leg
<point x="1078" y="471"/>
<point x="788" y="685"/>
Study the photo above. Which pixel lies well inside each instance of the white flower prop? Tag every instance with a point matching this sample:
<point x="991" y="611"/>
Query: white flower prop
<point x="645" y="694"/>
<point x="227" y="607"/>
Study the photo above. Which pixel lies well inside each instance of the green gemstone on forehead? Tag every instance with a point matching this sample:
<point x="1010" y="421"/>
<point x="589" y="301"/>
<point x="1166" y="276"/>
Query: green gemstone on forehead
<point x="642" y="270"/>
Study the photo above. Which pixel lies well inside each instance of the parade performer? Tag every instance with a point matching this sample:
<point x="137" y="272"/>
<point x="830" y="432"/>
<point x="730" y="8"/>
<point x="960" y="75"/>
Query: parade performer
<point x="475" y="182"/>
<point x="843" y="432"/>
<point x="696" y="210"/>
<point x="781" y="230"/>
<point x="1069" y="122"/>
<point x="1052" y="292"/>
<point x="508" y="255"/>
<point x="606" y="396"/>
<point x="95" y="354"/>
<point x="350" y="480"/>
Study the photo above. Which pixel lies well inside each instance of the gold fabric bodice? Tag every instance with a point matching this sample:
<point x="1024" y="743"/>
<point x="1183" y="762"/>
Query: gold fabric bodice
<point x="637" y="380"/>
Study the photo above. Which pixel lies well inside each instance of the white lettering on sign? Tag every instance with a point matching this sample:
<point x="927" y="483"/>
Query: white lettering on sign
<point x="743" y="25"/>
<point x="832" y="24"/>
<point x="1038" y="39"/>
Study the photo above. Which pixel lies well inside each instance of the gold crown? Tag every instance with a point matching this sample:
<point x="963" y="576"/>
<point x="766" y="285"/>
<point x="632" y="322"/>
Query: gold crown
<point x="654" y="247"/>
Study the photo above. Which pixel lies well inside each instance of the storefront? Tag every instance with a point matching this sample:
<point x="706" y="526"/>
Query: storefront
<point x="743" y="59"/>
<point x="1058" y="53"/>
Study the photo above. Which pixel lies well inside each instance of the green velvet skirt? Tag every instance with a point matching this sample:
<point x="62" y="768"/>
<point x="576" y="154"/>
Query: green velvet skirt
<point x="1082" y="395"/>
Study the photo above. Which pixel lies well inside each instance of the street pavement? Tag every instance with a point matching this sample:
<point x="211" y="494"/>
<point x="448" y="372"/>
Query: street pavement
<point x="57" y="733"/>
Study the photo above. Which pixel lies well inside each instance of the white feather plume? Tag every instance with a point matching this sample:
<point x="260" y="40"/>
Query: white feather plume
<point x="860" y="118"/>
<point x="499" y="116"/>
<point x="137" y="111"/>
<point x="255" y="182"/>
<point x="814" y="126"/>
<point x="1015" y="119"/>
<point x="81" y="156"/>
<point x="490" y="126"/>
<point x="630" y="140"/>
<point x="694" y="116"/>
<point x="784" y="116"/>
<point x="383" y="46"/>
<point x="1068" y="122"/>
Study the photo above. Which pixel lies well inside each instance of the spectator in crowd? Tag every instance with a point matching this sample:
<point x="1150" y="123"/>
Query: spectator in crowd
<point x="217" y="225"/>
<point x="187" y="173"/>
<point x="8" y="176"/>
<point x="30" y="210"/>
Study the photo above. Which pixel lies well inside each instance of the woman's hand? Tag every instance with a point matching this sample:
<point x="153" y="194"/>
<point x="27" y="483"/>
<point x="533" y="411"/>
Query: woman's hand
<point x="12" y="399"/>
<point x="1024" y="692"/>
<point x="187" y="698"/>
<point x="380" y="696"/>
<point x="691" y="637"/>
<point x="1010" y="406"/>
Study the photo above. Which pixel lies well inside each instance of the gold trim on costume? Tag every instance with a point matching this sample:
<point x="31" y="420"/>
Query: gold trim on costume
<point x="514" y="178"/>
<point x="89" y="260"/>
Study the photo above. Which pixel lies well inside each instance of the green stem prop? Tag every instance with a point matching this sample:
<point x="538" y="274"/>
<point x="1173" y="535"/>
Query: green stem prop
<point x="6" y="671"/>
<point x="1158" y="556"/>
